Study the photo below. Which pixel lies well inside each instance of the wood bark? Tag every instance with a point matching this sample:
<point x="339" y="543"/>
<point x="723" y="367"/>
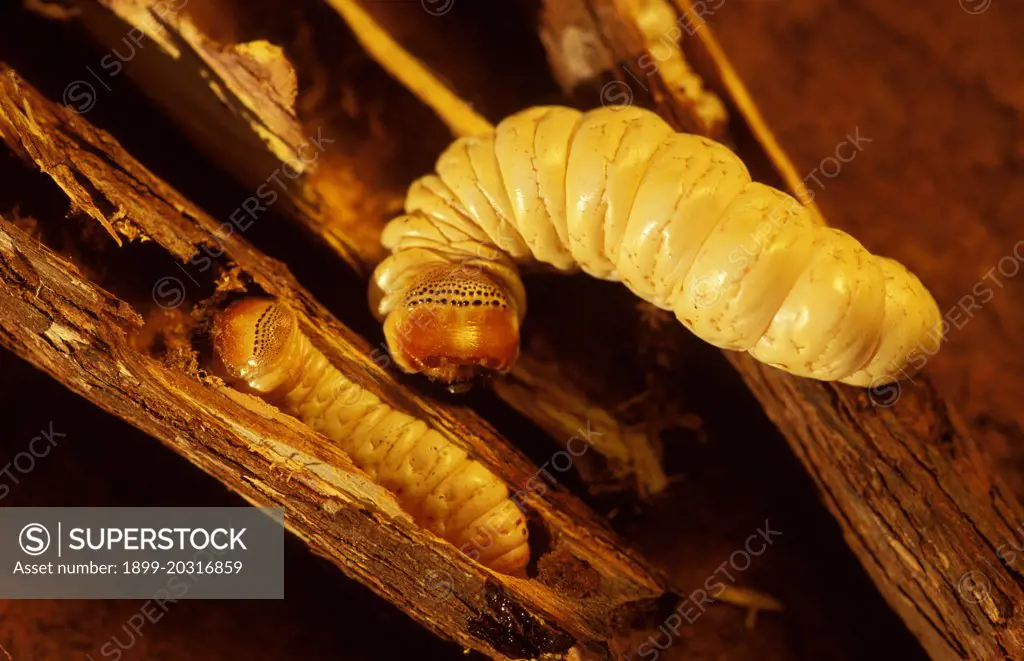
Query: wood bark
<point x="591" y="592"/>
<point x="918" y="500"/>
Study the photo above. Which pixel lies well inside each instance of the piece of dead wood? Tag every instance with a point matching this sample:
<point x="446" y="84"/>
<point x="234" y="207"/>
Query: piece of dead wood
<point x="591" y="593"/>
<point x="654" y="34"/>
<point x="627" y="456"/>
<point x="919" y="502"/>
<point x="237" y="115"/>
<point x="460" y="118"/>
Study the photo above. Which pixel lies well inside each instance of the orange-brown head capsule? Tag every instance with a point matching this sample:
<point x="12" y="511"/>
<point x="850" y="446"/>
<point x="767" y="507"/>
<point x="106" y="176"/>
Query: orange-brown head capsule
<point x="255" y="342"/>
<point x="454" y="324"/>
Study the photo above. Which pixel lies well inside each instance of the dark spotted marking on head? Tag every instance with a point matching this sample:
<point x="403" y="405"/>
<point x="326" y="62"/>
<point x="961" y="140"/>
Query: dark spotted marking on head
<point x="457" y="288"/>
<point x="266" y="335"/>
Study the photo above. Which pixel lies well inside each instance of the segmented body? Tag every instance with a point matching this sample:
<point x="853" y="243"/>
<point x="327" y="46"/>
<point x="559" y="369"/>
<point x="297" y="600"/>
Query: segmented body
<point x="617" y="193"/>
<point x="446" y="492"/>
